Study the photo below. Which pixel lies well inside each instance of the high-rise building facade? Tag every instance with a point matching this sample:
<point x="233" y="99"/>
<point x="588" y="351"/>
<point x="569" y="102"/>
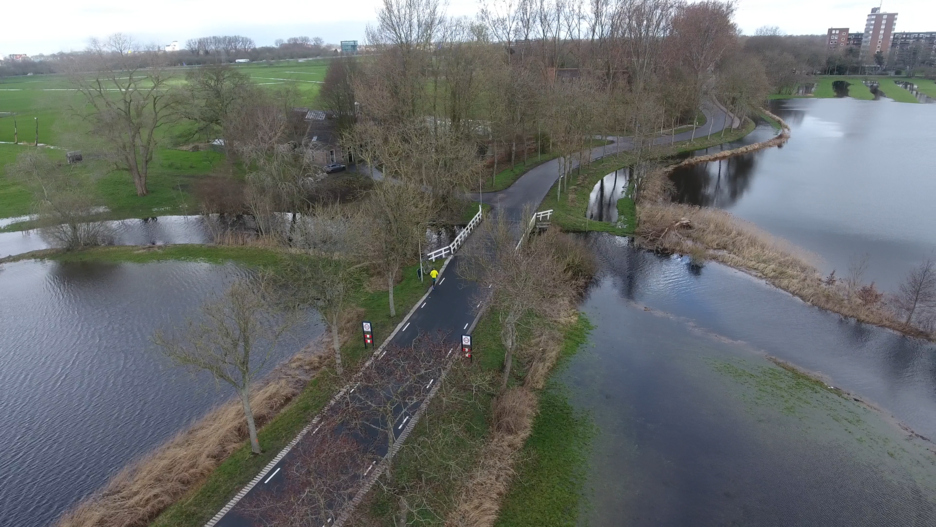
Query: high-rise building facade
<point x="879" y="30"/>
<point x="914" y="48"/>
<point x="837" y="37"/>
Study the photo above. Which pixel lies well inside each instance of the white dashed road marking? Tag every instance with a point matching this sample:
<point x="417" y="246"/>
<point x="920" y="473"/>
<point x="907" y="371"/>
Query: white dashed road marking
<point x="430" y="383"/>
<point x="271" y="475"/>
<point x="403" y="423"/>
<point x="450" y="352"/>
<point x="406" y="326"/>
<point x="466" y="325"/>
<point x="422" y="306"/>
<point x="440" y="281"/>
<point x="370" y="467"/>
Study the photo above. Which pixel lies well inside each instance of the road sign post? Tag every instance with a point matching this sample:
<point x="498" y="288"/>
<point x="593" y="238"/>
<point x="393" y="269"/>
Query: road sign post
<point x="368" y="334"/>
<point x="466" y="347"/>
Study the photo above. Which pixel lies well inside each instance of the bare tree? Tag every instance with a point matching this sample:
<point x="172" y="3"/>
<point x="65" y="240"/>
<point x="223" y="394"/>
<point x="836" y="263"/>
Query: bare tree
<point x="232" y="338"/>
<point x="128" y="100"/>
<point x="326" y="277"/>
<point x="522" y="281"/>
<point x="337" y="93"/>
<point x="398" y="213"/>
<point x="916" y="297"/>
<point x="259" y="132"/>
<point x="211" y="94"/>
<point x="63" y="200"/>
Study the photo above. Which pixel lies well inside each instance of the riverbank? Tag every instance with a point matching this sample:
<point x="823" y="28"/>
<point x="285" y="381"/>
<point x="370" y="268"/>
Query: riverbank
<point x="193" y="475"/>
<point x="714" y="234"/>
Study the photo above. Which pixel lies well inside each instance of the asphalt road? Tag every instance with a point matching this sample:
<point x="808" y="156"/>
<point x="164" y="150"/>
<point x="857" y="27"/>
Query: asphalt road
<point x="448" y="311"/>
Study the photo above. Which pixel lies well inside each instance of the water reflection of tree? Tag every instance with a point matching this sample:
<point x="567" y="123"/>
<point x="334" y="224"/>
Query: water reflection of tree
<point x="901" y="355"/>
<point x="716" y="184"/>
<point x="631" y="268"/>
<point x="81" y="274"/>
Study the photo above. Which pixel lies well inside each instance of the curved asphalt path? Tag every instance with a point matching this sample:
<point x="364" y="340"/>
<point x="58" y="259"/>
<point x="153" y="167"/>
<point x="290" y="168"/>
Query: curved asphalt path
<point x="451" y="309"/>
<point x="531" y="188"/>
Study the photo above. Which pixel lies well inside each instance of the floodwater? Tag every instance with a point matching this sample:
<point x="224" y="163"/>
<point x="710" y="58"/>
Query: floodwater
<point x="857" y="178"/>
<point x="602" y="202"/>
<point x="168" y="230"/>
<point x="82" y="389"/>
<point x="697" y="427"/>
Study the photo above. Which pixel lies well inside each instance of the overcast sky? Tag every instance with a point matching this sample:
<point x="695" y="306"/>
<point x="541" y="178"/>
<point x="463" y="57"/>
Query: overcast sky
<point x="62" y="25"/>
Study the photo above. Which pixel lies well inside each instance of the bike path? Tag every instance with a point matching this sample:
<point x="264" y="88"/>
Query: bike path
<point x="451" y="309"/>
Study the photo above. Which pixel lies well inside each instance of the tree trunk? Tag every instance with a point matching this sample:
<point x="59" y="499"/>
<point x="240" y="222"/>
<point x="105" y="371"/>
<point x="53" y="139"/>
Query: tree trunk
<point x="390" y="277"/>
<point x="508" y="362"/>
<point x="494" y="175"/>
<point x="336" y="344"/>
<point x="251" y="426"/>
<point x="139" y="180"/>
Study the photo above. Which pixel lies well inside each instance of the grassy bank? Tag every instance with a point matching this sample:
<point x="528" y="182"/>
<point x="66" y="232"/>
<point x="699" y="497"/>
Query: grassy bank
<point x="208" y="492"/>
<point x="890" y="89"/>
<point x="506" y="177"/>
<point x="570" y="208"/>
<point x="459" y="422"/>
<point x="548" y="483"/>
<point x="926" y="86"/>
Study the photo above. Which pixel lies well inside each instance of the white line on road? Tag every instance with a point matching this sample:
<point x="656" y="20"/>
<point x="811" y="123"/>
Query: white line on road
<point x="440" y="281"/>
<point x="450" y="352"/>
<point x="422" y="306"/>
<point x="403" y="423"/>
<point x="466" y="325"/>
<point x="316" y="429"/>
<point x="271" y="475"/>
<point x="355" y="387"/>
<point x="406" y="326"/>
<point x="370" y="467"/>
<point x="430" y="383"/>
<point x="479" y="305"/>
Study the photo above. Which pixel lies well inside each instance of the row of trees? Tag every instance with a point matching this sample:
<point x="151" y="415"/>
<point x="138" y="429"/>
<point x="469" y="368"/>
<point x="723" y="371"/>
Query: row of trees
<point x="527" y="76"/>
<point x="229" y="44"/>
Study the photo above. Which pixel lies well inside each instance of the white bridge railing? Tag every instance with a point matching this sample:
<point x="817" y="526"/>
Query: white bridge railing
<point x="539" y="216"/>
<point x="450" y="249"/>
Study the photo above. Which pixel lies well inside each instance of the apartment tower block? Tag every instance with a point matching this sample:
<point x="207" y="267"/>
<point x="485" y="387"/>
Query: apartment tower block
<point x="879" y="30"/>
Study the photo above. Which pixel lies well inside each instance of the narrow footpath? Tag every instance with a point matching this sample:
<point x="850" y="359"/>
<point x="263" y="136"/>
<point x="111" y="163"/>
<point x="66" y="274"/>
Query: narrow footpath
<point x="450" y="310"/>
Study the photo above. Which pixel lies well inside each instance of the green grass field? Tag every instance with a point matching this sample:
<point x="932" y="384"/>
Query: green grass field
<point x="856" y="89"/>
<point x="890" y="89"/>
<point x="49" y="99"/>
<point x="926" y="86"/>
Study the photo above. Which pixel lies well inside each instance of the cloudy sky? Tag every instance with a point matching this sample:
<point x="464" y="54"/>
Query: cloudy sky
<point x="56" y="25"/>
